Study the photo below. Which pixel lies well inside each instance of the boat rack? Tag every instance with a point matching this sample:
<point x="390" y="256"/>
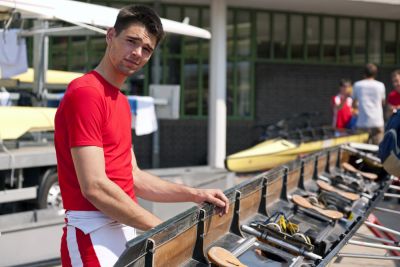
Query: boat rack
<point x="185" y="239"/>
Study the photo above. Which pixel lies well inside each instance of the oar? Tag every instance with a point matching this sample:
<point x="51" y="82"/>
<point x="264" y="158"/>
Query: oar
<point x="328" y="187"/>
<point x="332" y="214"/>
<point x="351" y="168"/>
<point x="223" y="258"/>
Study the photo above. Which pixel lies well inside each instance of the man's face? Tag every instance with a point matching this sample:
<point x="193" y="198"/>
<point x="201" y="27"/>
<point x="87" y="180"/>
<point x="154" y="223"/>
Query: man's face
<point x="396" y="82"/>
<point x="131" y="49"/>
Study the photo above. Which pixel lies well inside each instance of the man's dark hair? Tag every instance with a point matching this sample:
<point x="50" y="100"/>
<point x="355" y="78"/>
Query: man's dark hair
<point x="343" y="82"/>
<point x="395" y="73"/>
<point x="140" y="14"/>
<point x="370" y="70"/>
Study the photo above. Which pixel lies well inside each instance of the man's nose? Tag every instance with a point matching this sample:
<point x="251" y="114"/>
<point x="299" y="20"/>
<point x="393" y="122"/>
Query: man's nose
<point x="137" y="51"/>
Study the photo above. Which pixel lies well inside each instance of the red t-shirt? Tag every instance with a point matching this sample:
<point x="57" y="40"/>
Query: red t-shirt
<point x="342" y="112"/>
<point x="93" y="113"/>
<point x="394" y="98"/>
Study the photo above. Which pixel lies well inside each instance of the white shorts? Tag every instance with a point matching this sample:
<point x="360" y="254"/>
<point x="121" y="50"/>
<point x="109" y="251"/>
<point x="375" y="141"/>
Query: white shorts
<point x="81" y="245"/>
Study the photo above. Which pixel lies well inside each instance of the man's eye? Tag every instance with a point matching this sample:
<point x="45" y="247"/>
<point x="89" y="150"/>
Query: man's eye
<point x="132" y="41"/>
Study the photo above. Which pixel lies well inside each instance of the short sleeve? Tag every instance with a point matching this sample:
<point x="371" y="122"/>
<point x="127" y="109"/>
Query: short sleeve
<point x="84" y="116"/>
<point x="355" y="89"/>
<point x="383" y="92"/>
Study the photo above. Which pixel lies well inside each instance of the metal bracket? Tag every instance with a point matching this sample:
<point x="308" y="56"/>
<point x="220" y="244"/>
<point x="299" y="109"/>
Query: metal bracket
<point x="149" y="258"/>
<point x="338" y="158"/>
<point x="328" y="162"/>
<point x="235" y="224"/>
<point x="198" y="252"/>
<point x="315" y="173"/>
<point x="284" y="185"/>
<point x="301" y="179"/>
<point x="262" y="209"/>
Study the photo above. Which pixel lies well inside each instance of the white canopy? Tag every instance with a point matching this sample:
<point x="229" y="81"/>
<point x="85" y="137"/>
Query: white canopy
<point x="88" y="15"/>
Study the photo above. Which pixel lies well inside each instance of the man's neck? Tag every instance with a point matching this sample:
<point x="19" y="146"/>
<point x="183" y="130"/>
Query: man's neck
<point x="109" y="75"/>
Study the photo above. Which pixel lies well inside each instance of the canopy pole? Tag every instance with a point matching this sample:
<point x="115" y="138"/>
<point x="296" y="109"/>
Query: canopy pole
<point x="217" y="90"/>
<point x="40" y="59"/>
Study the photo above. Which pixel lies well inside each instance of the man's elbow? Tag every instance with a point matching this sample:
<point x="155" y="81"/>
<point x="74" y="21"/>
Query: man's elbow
<point x="91" y="192"/>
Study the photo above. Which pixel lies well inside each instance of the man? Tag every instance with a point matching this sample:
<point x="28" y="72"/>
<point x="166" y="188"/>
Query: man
<point x="393" y="101"/>
<point x="98" y="174"/>
<point x="369" y="98"/>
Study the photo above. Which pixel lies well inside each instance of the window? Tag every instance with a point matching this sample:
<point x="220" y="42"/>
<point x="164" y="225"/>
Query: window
<point x="239" y="87"/>
<point x="174" y="41"/>
<point x="279" y="37"/>
<point x="185" y="60"/>
<point x="389" y="43"/>
<point x="312" y="35"/>
<point x="296" y="37"/>
<point x="243" y="91"/>
<point x="359" y="41"/>
<point x="374" y="41"/>
<point x="230" y="33"/>
<point x="344" y="41"/>
<point x="329" y="39"/>
<point x="191" y="46"/>
<point x="243" y="33"/>
<point x="263" y="35"/>
<point x="191" y="83"/>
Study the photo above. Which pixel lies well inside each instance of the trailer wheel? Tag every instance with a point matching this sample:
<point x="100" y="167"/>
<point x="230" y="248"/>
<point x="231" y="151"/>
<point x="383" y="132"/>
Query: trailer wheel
<point x="49" y="195"/>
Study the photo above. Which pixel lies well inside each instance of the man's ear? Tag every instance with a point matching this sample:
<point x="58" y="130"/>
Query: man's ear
<point x="110" y="35"/>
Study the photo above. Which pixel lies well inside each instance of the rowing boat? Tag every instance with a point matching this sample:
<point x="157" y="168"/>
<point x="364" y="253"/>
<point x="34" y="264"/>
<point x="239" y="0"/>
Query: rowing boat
<point x="270" y="222"/>
<point x="272" y="153"/>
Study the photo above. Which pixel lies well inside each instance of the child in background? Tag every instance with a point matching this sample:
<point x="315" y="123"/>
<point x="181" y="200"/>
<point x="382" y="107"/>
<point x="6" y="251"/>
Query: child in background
<point x="342" y="105"/>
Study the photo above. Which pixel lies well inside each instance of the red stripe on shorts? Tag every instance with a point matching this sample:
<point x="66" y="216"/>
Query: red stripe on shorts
<point x="86" y="249"/>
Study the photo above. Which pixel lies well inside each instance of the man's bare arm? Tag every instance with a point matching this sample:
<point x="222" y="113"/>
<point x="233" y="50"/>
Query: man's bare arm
<point x="150" y="187"/>
<point x="104" y="194"/>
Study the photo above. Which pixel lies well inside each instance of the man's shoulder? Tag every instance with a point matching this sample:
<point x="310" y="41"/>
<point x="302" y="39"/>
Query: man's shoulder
<point x="86" y="80"/>
<point x="379" y="83"/>
<point x="84" y="85"/>
<point x="367" y="82"/>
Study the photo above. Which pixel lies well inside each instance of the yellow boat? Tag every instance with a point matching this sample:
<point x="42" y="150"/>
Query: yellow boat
<point x="16" y="121"/>
<point x="272" y="153"/>
<point x="53" y="77"/>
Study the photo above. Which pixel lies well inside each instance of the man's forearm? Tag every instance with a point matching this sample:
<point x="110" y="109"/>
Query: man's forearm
<point x="150" y="187"/>
<point x="112" y="201"/>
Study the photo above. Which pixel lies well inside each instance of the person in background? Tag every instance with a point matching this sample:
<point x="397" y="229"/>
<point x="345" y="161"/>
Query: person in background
<point x="369" y="98"/>
<point x="97" y="170"/>
<point x="393" y="101"/>
<point x="342" y="105"/>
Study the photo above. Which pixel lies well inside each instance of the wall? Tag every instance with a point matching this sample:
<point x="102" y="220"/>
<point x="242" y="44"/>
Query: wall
<point x="184" y="142"/>
<point x="284" y="89"/>
<point x="281" y="90"/>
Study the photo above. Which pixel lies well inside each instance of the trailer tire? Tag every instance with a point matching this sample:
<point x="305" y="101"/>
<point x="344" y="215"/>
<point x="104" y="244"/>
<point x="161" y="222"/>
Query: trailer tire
<point x="49" y="195"/>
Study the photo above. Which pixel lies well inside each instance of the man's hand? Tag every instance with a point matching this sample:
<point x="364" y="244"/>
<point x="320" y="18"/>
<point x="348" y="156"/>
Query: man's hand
<point x="213" y="196"/>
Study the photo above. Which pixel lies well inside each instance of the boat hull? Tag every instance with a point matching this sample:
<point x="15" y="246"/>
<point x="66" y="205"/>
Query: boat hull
<point x="16" y="121"/>
<point x="185" y="239"/>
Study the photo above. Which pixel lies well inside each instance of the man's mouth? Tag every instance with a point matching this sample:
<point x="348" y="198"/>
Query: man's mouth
<point x="130" y="62"/>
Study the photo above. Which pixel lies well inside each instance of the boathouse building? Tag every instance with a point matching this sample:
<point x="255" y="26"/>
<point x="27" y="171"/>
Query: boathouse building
<point x="268" y="58"/>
